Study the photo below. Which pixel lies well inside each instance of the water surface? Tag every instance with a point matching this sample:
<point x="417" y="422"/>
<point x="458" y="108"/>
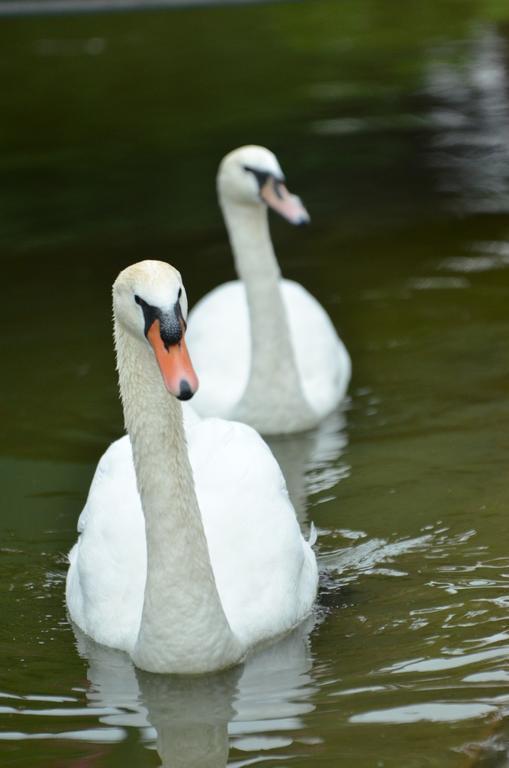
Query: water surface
<point x="391" y="122"/>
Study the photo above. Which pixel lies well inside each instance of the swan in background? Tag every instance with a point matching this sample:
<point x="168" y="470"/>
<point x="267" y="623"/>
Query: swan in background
<point x="289" y="369"/>
<point x="207" y="561"/>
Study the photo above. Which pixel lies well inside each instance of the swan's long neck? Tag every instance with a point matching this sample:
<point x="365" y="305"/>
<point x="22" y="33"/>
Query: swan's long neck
<point x="183" y="625"/>
<point x="273" y="398"/>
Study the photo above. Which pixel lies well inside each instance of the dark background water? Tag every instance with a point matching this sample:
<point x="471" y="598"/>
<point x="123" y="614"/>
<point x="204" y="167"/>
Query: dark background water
<point x="391" y="120"/>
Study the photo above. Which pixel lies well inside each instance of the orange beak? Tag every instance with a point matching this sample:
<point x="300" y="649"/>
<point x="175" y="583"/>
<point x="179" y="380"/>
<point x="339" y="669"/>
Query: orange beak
<point x="174" y="363"/>
<point x="276" y="195"/>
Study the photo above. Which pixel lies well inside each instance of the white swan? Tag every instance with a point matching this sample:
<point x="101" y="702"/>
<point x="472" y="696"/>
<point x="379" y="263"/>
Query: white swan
<point x="208" y="560"/>
<point x="289" y="368"/>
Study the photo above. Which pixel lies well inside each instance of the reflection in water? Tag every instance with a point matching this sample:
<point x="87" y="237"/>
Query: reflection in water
<point x="436" y="712"/>
<point x="454" y="637"/>
<point x="441" y="649"/>
<point x="309" y="460"/>
<point x="488" y="256"/>
<point x="190" y="718"/>
<point x="471" y="114"/>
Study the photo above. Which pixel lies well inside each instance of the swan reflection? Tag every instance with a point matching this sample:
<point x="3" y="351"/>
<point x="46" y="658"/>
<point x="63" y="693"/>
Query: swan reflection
<point x="191" y="721"/>
<point x="309" y="460"/>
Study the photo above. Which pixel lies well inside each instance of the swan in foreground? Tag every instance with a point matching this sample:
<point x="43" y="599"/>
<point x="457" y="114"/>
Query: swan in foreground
<point x="207" y="561"/>
<point x="289" y="368"/>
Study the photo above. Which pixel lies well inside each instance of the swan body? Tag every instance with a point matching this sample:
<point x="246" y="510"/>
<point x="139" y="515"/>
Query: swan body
<point x="316" y="348"/>
<point x="290" y="368"/>
<point x="245" y="527"/>
<point x="188" y="556"/>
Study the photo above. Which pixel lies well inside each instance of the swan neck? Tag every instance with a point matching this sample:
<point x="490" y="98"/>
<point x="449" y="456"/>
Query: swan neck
<point x="183" y="626"/>
<point x="273" y="399"/>
<point x="253" y="252"/>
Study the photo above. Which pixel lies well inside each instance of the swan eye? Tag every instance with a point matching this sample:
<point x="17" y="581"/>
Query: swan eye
<point x="261" y="176"/>
<point x="138" y="300"/>
<point x="180" y="293"/>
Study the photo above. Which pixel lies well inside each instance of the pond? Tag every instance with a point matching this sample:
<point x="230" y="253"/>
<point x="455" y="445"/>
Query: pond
<point x="391" y="121"/>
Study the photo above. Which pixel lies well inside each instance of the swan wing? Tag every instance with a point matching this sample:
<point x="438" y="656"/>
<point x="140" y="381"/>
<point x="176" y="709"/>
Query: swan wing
<point x="265" y="571"/>
<point x="107" y="565"/>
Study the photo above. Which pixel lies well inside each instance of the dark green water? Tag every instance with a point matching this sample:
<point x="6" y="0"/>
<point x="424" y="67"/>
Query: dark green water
<point x="392" y="121"/>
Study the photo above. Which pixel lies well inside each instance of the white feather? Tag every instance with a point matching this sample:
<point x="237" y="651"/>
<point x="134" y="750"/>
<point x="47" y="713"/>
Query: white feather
<point x="219" y="323"/>
<point x="265" y="572"/>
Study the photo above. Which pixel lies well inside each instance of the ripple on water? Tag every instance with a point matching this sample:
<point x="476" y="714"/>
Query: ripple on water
<point x="267" y="706"/>
<point x="20" y="710"/>
<point x="436" y="712"/>
<point x="94" y="735"/>
<point x="457" y="659"/>
<point x="459" y="668"/>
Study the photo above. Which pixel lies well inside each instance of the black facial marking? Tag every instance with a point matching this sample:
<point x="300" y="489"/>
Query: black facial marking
<point x="277" y="188"/>
<point x="260" y="176"/>
<point x="171" y="323"/>
<point x="150" y="313"/>
<point x="263" y="176"/>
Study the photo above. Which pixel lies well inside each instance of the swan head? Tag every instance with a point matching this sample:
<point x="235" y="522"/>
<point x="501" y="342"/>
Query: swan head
<point x="150" y="303"/>
<point x="251" y="175"/>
